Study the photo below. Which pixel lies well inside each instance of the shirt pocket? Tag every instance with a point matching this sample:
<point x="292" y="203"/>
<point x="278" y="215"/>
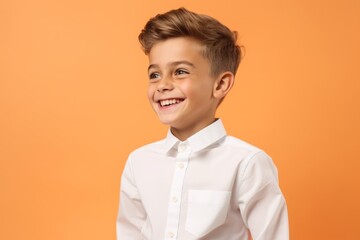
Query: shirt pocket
<point x="206" y="211"/>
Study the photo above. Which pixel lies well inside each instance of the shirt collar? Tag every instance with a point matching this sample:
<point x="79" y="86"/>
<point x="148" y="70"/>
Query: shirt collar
<point x="200" y="140"/>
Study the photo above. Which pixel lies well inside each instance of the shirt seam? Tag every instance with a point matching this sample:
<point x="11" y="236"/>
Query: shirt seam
<point x="247" y="160"/>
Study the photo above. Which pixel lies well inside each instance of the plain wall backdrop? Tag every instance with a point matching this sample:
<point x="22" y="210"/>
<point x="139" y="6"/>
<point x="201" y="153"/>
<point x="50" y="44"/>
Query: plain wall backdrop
<point x="73" y="106"/>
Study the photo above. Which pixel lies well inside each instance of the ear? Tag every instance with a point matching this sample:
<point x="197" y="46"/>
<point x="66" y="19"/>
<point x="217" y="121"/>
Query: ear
<point x="223" y="84"/>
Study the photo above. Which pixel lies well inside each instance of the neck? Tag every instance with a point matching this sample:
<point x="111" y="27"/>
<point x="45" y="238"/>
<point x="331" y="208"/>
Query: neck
<point x="184" y="133"/>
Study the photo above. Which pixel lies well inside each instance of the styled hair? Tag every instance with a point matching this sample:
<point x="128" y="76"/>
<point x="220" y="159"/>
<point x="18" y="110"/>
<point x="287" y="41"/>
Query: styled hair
<point x="219" y="42"/>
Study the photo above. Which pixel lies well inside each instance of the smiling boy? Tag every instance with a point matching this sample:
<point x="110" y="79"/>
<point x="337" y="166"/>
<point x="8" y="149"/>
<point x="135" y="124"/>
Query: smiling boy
<point x="197" y="183"/>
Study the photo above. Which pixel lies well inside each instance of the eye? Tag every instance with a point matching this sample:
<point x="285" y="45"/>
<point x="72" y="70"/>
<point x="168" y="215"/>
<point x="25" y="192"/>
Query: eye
<point x="180" y="72"/>
<point x="154" y="75"/>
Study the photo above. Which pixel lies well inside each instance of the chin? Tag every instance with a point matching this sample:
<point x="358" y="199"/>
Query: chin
<point x="171" y="122"/>
<point x="166" y="122"/>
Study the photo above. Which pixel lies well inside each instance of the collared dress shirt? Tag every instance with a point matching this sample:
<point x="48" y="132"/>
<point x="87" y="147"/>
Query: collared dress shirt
<point x="211" y="186"/>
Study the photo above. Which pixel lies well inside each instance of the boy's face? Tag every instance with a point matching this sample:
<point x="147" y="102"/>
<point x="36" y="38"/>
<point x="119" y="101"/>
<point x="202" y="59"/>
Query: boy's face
<point x="181" y="85"/>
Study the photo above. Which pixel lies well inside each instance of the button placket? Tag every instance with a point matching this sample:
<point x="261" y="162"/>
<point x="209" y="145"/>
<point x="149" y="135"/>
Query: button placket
<point x="170" y="234"/>
<point x="180" y="165"/>
<point x="173" y="216"/>
<point x="182" y="147"/>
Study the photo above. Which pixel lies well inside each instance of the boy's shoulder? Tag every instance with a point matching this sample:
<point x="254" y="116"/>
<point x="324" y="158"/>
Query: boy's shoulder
<point x="238" y="143"/>
<point x="244" y="150"/>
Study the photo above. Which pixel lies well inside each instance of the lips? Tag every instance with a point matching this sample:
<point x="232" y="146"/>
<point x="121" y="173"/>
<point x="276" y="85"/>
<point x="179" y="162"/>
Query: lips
<point x="169" y="102"/>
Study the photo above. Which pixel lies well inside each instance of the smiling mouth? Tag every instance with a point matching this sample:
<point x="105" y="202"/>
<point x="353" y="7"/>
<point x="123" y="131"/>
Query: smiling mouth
<point x="169" y="102"/>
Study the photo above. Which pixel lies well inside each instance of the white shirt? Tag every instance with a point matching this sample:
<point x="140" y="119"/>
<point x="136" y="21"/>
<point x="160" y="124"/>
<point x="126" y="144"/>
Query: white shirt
<point x="211" y="186"/>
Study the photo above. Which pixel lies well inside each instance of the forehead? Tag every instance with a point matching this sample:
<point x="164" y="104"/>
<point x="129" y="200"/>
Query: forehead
<point x="175" y="50"/>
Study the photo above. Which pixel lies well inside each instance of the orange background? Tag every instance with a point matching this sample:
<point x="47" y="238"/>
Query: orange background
<point x="73" y="105"/>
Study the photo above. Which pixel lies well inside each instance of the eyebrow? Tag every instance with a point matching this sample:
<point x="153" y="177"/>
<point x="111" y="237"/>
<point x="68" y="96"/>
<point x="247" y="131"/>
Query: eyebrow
<point x="173" y="64"/>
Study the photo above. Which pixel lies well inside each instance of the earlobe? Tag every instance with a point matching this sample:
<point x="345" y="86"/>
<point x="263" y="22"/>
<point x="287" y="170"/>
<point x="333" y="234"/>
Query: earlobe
<point x="223" y="84"/>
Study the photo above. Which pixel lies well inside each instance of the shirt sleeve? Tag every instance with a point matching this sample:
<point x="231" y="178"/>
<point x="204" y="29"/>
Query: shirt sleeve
<point x="131" y="216"/>
<point x="261" y="202"/>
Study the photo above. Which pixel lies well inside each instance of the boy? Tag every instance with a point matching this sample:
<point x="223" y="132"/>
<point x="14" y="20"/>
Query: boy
<point x="197" y="183"/>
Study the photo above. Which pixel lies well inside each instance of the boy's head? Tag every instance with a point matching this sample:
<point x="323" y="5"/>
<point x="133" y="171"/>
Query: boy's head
<point x="192" y="62"/>
<point x="219" y="42"/>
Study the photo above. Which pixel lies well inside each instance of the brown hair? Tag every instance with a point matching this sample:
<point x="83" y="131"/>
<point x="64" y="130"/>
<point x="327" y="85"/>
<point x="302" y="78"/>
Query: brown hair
<point x="220" y="42"/>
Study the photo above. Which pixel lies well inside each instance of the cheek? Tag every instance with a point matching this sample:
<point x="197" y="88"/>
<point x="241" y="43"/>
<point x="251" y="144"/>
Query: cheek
<point x="188" y="88"/>
<point x="150" y="92"/>
<point x="196" y="91"/>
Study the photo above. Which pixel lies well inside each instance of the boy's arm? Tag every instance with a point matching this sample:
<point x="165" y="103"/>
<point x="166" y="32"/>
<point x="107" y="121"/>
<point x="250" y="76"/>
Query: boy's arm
<point x="261" y="202"/>
<point x="131" y="215"/>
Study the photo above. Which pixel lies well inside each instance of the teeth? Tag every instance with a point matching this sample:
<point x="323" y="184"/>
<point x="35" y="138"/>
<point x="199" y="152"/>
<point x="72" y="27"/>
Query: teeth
<point x="169" y="102"/>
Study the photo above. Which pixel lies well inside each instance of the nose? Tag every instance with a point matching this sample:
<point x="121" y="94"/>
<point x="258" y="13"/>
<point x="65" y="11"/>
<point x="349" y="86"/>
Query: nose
<point x="165" y="84"/>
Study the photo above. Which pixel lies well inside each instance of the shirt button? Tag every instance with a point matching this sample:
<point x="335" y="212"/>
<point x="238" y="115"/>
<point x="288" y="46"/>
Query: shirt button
<point x="180" y="165"/>
<point x="170" y="234"/>
<point x="174" y="199"/>
<point x="182" y="147"/>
